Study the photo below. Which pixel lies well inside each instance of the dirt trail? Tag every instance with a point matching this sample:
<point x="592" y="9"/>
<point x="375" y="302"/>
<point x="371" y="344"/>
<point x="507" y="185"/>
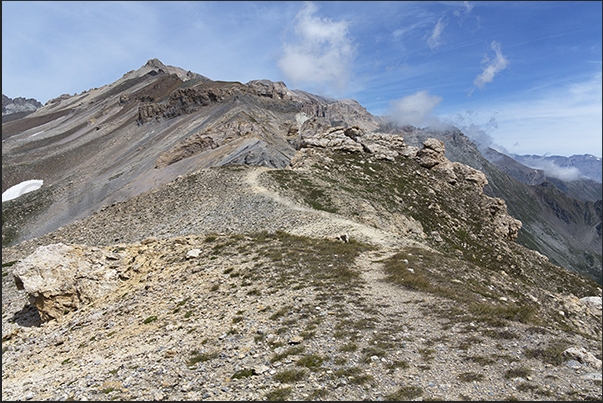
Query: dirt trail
<point x="324" y="223"/>
<point x="394" y="300"/>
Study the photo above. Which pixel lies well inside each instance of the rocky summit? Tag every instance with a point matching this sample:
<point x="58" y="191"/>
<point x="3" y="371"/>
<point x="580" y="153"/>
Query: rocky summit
<point x="205" y="240"/>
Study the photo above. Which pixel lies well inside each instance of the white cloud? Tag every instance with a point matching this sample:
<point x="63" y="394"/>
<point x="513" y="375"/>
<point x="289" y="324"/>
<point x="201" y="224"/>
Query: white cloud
<point x="322" y="52"/>
<point x="492" y="66"/>
<point x="553" y="170"/>
<point x="560" y="119"/>
<point x="434" y="39"/>
<point x="415" y="109"/>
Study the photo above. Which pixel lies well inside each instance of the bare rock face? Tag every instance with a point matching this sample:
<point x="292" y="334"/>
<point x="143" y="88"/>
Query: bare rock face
<point x="431" y="154"/>
<point x="184" y="101"/>
<point x="208" y="140"/>
<point x="504" y="225"/>
<point x="61" y="278"/>
<point x="19" y="104"/>
<point x="355" y="140"/>
<point x="335" y="138"/>
<point x="270" y="89"/>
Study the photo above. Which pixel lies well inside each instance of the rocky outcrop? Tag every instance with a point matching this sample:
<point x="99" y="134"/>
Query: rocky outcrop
<point x="188" y="100"/>
<point x="337" y="112"/>
<point x="354" y="139"/>
<point x="504" y="225"/>
<point x="431" y="154"/>
<point x="61" y="278"/>
<point x="271" y="89"/>
<point x="335" y="138"/>
<point x="19" y="104"/>
<point x="383" y="146"/>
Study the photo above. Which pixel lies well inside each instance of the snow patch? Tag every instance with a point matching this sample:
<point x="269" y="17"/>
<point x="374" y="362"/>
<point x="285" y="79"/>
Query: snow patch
<point x="15" y="191"/>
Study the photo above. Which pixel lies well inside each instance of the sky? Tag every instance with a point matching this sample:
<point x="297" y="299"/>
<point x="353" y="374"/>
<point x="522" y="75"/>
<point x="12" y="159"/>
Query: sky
<point x="521" y="77"/>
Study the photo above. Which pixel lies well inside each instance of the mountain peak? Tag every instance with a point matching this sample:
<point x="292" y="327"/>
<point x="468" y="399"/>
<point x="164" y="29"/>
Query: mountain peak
<point x="154" y="63"/>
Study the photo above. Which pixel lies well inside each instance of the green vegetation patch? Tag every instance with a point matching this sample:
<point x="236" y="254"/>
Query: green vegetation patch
<point x="289" y="375"/>
<point x="243" y="373"/>
<point x="278" y="394"/>
<point x="551" y="354"/>
<point x="405" y="393"/>
<point x="201" y="357"/>
<point x="311" y="361"/>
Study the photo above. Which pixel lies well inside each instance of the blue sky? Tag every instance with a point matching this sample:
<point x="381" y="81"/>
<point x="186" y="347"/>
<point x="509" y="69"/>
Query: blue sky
<point x="524" y="77"/>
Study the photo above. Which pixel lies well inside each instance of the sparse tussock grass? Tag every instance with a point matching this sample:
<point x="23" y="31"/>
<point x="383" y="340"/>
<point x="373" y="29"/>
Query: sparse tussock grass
<point x="291" y="351"/>
<point x="280" y="313"/>
<point x="201" y="357"/>
<point x="363" y="379"/>
<point x="480" y="359"/>
<point x="312" y="361"/>
<point x="278" y="394"/>
<point x="289" y="375"/>
<point x="470" y="377"/>
<point x="551" y="354"/>
<point x="349" y="347"/>
<point x="369" y="352"/>
<point x="319" y="394"/>
<point x="405" y="393"/>
<point x="520" y="372"/>
<point x="243" y="373"/>
<point x="351" y="371"/>
<point x="397" y="364"/>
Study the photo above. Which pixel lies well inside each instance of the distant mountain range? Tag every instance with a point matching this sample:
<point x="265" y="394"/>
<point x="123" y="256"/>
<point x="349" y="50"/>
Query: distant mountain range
<point x="564" y="168"/>
<point x="576" y="176"/>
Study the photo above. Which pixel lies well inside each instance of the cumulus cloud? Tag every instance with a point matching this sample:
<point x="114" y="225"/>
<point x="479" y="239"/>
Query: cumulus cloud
<point x="434" y="39"/>
<point x="491" y="66"/>
<point x="414" y="110"/>
<point x="321" y="52"/>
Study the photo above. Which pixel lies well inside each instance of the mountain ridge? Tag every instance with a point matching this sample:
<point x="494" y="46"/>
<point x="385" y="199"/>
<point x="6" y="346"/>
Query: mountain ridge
<point x="159" y="121"/>
<point x="202" y="240"/>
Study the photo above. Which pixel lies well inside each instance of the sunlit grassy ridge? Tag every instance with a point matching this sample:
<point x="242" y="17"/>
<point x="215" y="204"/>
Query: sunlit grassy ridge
<point x="495" y="280"/>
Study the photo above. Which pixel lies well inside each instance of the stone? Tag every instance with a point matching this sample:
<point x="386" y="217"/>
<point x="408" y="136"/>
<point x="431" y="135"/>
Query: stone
<point x="471" y="174"/>
<point x="431" y="154"/>
<point x="193" y="253"/>
<point x="58" y="279"/>
<point x="429" y="158"/>
<point x="581" y="355"/>
<point x="435" y="145"/>
<point x="296" y="340"/>
<point x="593" y="302"/>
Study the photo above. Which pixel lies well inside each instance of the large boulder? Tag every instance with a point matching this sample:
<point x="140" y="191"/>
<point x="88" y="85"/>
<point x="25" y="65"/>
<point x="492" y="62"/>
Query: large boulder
<point x="60" y="278"/>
